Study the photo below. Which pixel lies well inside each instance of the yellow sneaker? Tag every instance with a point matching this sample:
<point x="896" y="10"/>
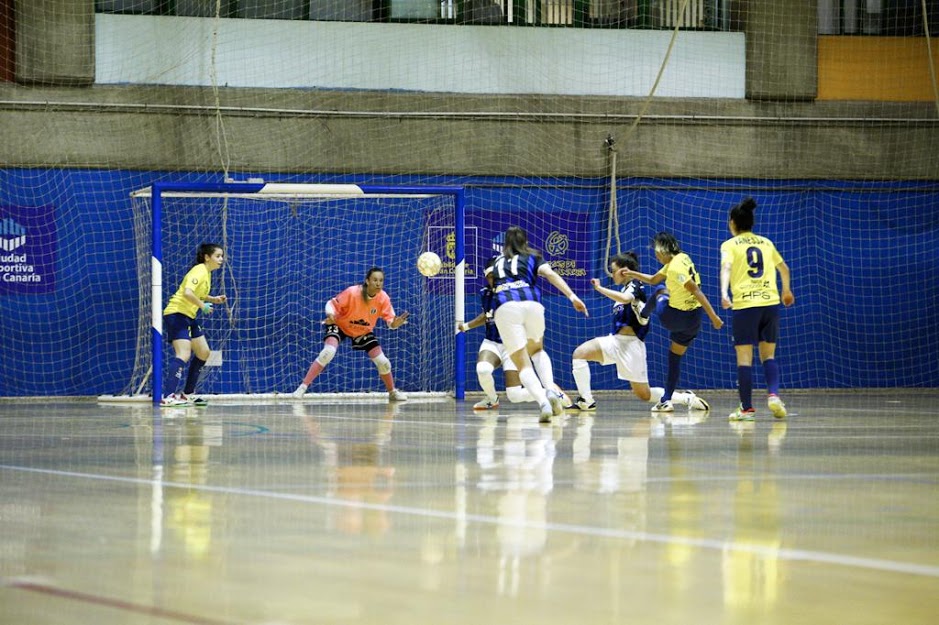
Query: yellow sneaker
<point x="776" y="406"/>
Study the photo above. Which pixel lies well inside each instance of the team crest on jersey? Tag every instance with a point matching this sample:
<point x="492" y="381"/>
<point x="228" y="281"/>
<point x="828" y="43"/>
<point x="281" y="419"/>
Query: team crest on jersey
<point x="195" y="280"/>
<point x="682" y="278"/>
<point x="373" y="311"/>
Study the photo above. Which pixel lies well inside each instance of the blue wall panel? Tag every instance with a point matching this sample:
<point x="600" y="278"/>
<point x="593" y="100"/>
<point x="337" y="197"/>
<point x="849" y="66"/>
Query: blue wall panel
<point x="863" y="258"/>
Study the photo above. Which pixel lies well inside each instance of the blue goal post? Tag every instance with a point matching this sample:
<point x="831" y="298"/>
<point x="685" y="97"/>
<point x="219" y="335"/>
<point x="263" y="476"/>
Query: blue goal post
<point x="260" y="190"/>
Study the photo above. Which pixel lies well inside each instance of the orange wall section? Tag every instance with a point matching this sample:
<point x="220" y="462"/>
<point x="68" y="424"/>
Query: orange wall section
<point x="888" y="69"/>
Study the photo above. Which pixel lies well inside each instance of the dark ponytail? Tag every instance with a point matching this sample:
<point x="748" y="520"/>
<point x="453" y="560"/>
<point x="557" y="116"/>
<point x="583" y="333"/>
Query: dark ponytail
<point x="742" y="215"/>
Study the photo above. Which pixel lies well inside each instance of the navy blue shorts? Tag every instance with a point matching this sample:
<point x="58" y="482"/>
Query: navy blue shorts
<point x="759" y="324"/>
<point x="683" y="325"/>
<point x="363" y="343"/>
<point x="177" y="326"/>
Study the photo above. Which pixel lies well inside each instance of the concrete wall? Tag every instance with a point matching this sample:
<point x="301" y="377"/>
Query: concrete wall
<point x="52" y="41"/>
<point x="779" y="133"/>
<point x="127" y="127"/>
<point x="781" y="49"/>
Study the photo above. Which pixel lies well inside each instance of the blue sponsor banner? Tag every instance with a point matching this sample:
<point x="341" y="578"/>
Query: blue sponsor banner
<point x="560" y="236"/>
<point x="28" y="249"/>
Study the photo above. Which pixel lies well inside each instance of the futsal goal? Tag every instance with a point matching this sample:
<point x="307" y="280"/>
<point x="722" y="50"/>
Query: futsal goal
<point x="288" y="249"/>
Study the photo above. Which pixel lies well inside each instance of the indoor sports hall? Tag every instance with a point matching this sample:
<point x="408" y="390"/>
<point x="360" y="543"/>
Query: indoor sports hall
<point x="191" y="193"/>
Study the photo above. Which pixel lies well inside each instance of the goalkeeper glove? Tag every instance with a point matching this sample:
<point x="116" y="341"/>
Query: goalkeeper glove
<point x="207" y="308"/>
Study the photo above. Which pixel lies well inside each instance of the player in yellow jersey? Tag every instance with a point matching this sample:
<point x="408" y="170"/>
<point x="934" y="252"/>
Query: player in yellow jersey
<point x="184" y="332"/>
<point x="749" y="265"/>
<point x="679" y="306"/>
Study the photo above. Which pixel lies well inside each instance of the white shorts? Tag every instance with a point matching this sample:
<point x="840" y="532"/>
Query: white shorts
<point x="518" y="323"/>
<point x="499" y="350"/>
<point x="628" y="353"/>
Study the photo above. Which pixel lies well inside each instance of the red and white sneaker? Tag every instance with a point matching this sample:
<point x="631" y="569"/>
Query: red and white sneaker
<point x="174" y="401"/>
<point x="486" y="404"/>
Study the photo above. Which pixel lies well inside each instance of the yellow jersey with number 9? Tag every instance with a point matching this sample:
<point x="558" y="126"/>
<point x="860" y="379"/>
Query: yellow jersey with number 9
<point x="199" y="280"/>
<point x="752" y="261"/>
<point x="677" y="272"/>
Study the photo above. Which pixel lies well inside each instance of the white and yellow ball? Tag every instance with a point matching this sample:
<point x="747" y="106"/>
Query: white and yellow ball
<point x="428" y="264"/>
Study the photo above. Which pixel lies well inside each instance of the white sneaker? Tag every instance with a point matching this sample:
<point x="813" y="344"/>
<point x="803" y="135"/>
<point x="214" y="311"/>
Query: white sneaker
<point x="557" y="404"/>
<point x="547" y="411"/>
<point x="698" y="403"/>
<point x="396" y="395"/>
<point x="195" y="400"/>
<point x="173" y="401"/>
<point x="581" y="404"/>
<point x="565" y="398"/>
<point x="486" y="404"/>
<point x="663" y="406"/>
<point x="637" y="312"/>
<point x="776" y="406"/>
<point x="300" y="392"/>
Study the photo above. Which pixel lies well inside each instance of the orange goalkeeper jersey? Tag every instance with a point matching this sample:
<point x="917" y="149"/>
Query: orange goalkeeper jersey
<point x="355" y="316"/>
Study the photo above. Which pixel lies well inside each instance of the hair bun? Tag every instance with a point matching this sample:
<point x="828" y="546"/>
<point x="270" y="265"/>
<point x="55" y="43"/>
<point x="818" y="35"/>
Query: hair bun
<point x="748" y="204"/>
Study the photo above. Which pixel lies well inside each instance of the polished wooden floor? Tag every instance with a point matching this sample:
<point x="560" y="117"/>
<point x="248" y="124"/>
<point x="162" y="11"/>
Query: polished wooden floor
<point x="426" y="513"/>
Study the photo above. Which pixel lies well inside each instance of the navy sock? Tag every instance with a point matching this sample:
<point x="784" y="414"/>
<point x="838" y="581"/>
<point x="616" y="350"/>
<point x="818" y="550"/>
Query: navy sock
<point x="174" y="375"/>
<point x="671" y="379"/>
<point x="771" y="372"/>
<point x="655" y="305"/>
<point x="195" y="368"/>
<point x="745" y="386"/>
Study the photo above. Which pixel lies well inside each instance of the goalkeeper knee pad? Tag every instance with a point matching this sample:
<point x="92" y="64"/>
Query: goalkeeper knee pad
<point x="326" y="354"/>
<point x="382" y="363"/>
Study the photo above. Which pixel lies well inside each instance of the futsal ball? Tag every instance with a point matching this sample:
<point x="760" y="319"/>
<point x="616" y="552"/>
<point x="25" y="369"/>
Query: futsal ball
<point x="565" y="398"/>
<point x="428" y="264"/>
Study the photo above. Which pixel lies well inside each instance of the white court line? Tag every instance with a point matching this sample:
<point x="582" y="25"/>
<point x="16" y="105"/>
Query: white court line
<point x="876" y="564"/>
<point x="916" y="478"/>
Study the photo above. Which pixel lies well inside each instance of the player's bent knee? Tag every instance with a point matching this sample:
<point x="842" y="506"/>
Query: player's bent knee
<point x="326" y="355"/>
<point x="382" y="363"/>
<point x="484" y="368"/>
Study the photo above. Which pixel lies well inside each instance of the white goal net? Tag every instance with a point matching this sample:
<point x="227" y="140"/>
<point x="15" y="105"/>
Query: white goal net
<point x="285" y="256"/>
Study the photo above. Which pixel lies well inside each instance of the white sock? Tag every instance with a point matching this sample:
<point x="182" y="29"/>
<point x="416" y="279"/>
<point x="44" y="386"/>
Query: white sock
<point x="657" y="392"/>
<point x="518" y="394"/>
<point x="542" y="363"/>
<point x="486" y="381"/>
<point x="581" y="370"/>
<point x="533" y="385"/>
